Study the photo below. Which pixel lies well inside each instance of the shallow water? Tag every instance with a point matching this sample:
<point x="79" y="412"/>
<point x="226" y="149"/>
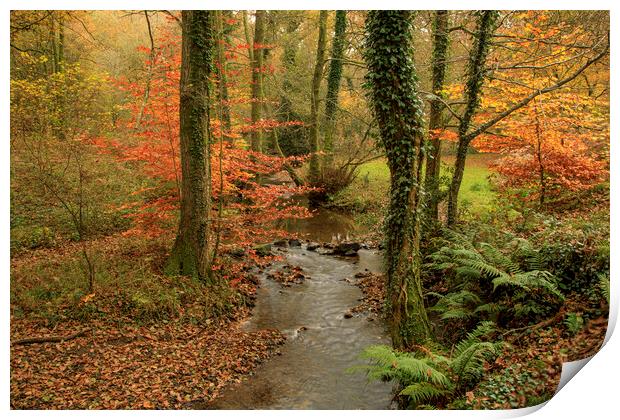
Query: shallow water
<point x="311" y="372"/>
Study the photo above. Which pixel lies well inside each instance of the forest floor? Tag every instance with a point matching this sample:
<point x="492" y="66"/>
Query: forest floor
<point x="528" y="370"/>
<point x="152" y="341"/>
<point x="139" y="347"/>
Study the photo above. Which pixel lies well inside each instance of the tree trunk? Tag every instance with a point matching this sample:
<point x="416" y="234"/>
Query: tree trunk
<point x="190" y="254"/>
<point x="315" y="145"/>
<point x="222" y="76"/>
<point x="439" y="66"/>
<point x="149" y="73"/>
<point x="396" y="104"/>
<point x="290" y="47"/>
<point x="257" y="78"/>
<point x="541" y="166"/>
<point x="333" y="84"/>
<point x="476" y="73"/>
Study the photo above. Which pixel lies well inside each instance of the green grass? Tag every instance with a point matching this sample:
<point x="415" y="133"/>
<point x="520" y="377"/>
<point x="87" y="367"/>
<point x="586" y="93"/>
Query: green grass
<point x="369" y="191"/>
<point x="475" y="195"/>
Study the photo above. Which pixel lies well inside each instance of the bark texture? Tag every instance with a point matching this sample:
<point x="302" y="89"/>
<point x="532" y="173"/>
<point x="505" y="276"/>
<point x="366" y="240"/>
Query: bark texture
<point x="315" y="143"/>
<point x="439" y="67"/>
<point x="190" y="254"/>
<point x="393" y="93"/>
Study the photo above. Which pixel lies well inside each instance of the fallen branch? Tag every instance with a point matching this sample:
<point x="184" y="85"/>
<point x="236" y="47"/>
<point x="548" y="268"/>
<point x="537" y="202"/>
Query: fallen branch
<point x="50" y="339"/>
<point x="542" y="324"/>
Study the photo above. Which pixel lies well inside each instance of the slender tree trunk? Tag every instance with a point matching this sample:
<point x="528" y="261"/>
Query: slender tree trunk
<point x="54" y="41"/>
<point x="276" y="145"/>
<point x="396" y="104"/>
<point x="149" y="73"/>
<point x="476" y="73"/>
<point x="61" y="44"/>
<point x="222" y="77"/>
<point x="289" y="56"/>
<point x="541" y="166"/>
<point x="190" y="253"/>
<point x="439" y="65"/>
<point x="257" y="78"/>
<point x="315" y="144"/>
<point x="333" y="84"/>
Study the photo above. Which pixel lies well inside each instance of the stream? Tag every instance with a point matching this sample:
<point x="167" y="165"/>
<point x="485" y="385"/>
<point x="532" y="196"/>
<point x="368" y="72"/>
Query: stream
<point x="311" y="371"/>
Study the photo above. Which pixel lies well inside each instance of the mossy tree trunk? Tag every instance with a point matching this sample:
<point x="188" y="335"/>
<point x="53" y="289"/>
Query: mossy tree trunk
<point x="333" y="83"/>
<point x="289" y="58"/>
<point x="315" y="143"/>
<point x="257" y="78"/>
<point x="475" y="77"/>
<point x="222" y="77"/>
<point x="439" y="66"/>
<point x="191" y="251"/>
<point x="393" y="93"/>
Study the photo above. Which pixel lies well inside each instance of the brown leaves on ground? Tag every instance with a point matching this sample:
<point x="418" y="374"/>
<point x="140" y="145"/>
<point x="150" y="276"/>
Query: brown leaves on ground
<point x="132" y="367"/>
<point x="288" y="275"/>
<point x="373" y="288"/>
<point x="529" y="369"/>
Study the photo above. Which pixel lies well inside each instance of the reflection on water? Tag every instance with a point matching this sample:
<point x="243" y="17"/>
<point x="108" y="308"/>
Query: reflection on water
<point x="324" y="226"/>
<point x="311" y="372"/>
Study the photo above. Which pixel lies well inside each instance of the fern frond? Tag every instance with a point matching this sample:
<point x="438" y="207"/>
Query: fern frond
<point x="489" y="308"/>
<point x="457" y="239"/>
<point x="496" y="258"/>
<point x="469" y="364"/>
<point x="475" y="336"/>
<point x="468" y="273"/>
<point x="484" y="268"/>
<point x="386" y="364"/>
<point x="422" y="392"/>
<point x="456" y="313"/>
<point x="413" y="370"/>
<point x="605" y="286"/>
<point x="530" y="280"/>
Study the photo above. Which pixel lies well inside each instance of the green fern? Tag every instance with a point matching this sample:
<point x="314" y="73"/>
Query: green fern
<point x="457" y="305"/>
<point x="422" y="391"/>
<point x="605" y="286"/>
<point x="529" y="282"/>
<point x="435" y="376"/>
<point x="496" y="258"/>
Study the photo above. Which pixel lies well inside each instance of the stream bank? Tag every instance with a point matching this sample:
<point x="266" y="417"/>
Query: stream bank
<point x="324" y="339"/>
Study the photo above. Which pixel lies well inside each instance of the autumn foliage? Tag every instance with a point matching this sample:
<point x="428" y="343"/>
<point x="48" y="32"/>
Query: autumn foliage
<point x="245" y="208"/>
<point x="551" y="147"/>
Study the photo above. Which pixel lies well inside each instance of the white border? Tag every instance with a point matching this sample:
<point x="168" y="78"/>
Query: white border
<point x="592" y="394"/>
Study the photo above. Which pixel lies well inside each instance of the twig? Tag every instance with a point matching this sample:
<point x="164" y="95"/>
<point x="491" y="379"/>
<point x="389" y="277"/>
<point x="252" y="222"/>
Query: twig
<point x="50" y="339"/>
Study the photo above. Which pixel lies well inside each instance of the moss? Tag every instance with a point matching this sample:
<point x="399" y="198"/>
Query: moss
<point x="398" y="109"/>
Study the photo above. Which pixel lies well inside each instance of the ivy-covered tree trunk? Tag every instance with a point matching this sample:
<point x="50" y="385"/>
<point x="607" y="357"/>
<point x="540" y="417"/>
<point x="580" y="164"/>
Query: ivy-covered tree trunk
<point x="315" y="143"/>
<point x="439" y="66"/>
<point x="190" y="254"/>
<point x="393" y="93"/>
<point x="333" y="83"/>
<point x="475" y="78"/>
<point x="257" y="78"/>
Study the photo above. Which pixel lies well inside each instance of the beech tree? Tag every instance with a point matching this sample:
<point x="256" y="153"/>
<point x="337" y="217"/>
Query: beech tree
<point x="333" y="81"/>
<point x="439" y="67"/>
<point x="475" y="72"/>
<point x="191" y="251"/>
<point x="393" y="93"/>
<point x="315" y="144"/>
<point x="257" y="77"/>
<point x="539" y="62"/>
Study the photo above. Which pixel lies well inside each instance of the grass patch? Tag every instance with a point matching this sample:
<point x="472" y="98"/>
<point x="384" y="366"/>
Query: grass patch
<point x="368" y="194"/>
